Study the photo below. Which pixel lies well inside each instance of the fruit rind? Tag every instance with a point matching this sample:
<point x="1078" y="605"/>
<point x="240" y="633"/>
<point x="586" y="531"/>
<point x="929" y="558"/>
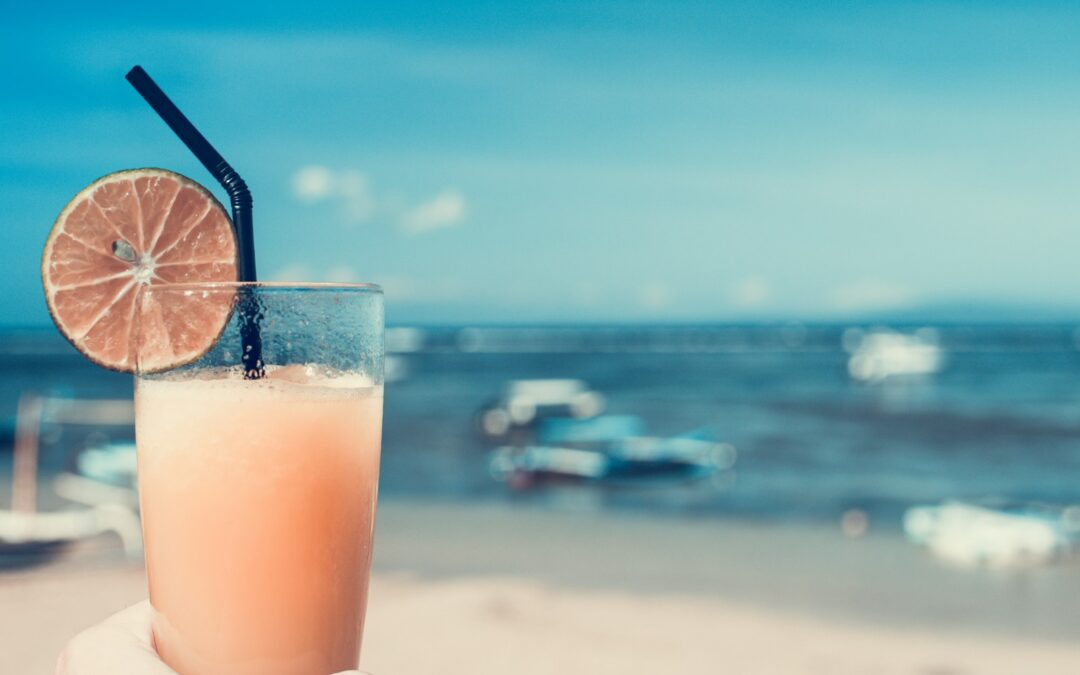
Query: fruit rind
<point x="57" y="229"/>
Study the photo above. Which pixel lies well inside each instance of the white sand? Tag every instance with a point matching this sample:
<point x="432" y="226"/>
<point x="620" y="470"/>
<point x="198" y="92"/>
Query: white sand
<point x="496" y="626"/>
<point x="436" y="616"/>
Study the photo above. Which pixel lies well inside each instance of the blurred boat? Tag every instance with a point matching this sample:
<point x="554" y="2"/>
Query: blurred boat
<point x="599" y="429"/>
<point x="970" y="535"/>
<point x="882" y="354"/>
<point x="35" y="534"/>
<point x="110" y="463"/>
<point x="516" y="465"/>
<point x="105" y="474"/>
<point x="695" y="454"/>
<point x="91" y="492"/>
<point x="27" y="535"/>
<point x="526" y="402"/>
<point x="628" y="458"/>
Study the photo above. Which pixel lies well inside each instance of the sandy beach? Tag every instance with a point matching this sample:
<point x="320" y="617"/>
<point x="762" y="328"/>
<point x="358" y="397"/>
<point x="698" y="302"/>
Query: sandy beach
<point x="489" y="589"/>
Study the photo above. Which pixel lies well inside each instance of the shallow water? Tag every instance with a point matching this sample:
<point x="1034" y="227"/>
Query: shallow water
<point x="1002" y="419"/>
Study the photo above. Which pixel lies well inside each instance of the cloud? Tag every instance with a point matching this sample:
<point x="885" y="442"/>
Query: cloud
<point x="352" y="191"/>
<point x="444" y="210"/>
<point x="349" y="188"/>
<point x="870" y="294"/>
<point x="313" y="183"/>
<point x="750" y="292"/>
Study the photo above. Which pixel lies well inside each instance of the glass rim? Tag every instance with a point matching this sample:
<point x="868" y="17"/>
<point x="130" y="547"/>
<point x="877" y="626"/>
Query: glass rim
<point x="268" y="285"/>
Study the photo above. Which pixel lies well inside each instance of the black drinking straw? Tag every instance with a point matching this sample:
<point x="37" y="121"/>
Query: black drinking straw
<point x="239" y="196"/>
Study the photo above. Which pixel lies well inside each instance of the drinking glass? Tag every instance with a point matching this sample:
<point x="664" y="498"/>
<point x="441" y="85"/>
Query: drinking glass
<point x="258" y="493"/>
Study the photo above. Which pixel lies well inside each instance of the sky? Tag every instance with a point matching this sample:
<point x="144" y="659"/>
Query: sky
<point x="596" y="162"/>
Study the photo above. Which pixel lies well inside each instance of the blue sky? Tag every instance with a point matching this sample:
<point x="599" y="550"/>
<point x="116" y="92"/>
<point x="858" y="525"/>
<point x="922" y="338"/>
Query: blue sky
<point x="600" y="161"/>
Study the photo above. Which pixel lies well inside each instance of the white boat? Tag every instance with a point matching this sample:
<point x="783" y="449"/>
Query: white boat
<point x="970" y="535"/>
<point x="882" y="354"/>
<point x="526" y="401"/>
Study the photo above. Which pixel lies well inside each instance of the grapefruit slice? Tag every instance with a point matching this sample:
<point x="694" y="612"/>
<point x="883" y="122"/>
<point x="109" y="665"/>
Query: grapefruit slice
<point x="122" y="234"/>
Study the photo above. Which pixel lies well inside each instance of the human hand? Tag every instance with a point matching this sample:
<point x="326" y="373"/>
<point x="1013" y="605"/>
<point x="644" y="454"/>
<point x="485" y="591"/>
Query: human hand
<point x="123" y="643"/>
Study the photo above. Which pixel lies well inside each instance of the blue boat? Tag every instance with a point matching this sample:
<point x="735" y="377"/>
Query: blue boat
<point x="631" y="458"/>
<point x="602" y="429"/>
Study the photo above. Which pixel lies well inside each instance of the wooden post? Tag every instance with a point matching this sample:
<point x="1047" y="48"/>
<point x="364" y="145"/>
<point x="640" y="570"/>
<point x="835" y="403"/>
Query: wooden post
<point x="25" y="463"/>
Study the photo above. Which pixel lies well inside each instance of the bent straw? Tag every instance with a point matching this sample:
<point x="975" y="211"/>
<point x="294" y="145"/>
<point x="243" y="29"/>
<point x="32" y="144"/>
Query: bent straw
<point x="239" y="196"/>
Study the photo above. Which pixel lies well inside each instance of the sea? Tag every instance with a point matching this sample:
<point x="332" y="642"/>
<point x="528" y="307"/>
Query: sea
<point x="999" y="422"/>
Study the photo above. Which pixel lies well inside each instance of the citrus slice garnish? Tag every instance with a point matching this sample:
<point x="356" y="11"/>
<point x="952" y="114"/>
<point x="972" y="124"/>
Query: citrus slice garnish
<point x="127" y="231"/>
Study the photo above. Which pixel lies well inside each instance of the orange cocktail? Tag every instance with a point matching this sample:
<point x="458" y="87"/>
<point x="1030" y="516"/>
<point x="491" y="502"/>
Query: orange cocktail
<point x="258" y="497"/>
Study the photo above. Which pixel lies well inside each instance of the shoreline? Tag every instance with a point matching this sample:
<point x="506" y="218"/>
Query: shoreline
<point x="805" y="567"/>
